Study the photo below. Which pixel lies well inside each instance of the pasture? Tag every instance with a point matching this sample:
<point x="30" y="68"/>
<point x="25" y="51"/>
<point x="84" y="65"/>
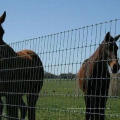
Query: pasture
<point x="59" y="100"/>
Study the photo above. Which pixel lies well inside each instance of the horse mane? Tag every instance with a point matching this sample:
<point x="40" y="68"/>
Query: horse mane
<point x="98" y="54"/>
<point x="8" y="51"/>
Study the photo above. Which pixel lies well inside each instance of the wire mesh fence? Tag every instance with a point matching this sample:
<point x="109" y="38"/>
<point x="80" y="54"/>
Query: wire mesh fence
<point x="58" y="95"/>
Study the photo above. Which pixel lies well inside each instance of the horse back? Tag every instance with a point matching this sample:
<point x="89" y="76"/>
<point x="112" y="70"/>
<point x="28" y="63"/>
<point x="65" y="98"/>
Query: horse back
<point x="28" y="54"/>
<point x="31" y="62"/>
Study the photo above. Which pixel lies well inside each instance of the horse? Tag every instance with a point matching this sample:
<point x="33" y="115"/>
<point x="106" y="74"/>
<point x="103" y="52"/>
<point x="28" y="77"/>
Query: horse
<point x="94" y="77"/>
<point x="22" y="109"/>
<point x="21" y="73"/>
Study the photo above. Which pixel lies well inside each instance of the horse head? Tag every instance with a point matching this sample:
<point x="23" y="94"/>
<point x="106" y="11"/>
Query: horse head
<point x="111" y="49"/>
<point x="2" y="19"/>
<point x="5" y="50"/>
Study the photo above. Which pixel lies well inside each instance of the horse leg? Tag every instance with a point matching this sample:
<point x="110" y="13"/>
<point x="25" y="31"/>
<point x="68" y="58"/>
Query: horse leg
<point x="99" y="108"/>
<point x="102" y="106"/>
<point x="23" y="108"/>
<point x="101" y="99"/>
<point x="92" y="101"/>
<point x="95" y="107"/>
<point x="87" y="104"/>
<point x="92" y="108"/>
<point x="31" y="100"/>
<point x="1" y="108"/>
<point x="12" y="109"/>
<point x="96" y="104"/>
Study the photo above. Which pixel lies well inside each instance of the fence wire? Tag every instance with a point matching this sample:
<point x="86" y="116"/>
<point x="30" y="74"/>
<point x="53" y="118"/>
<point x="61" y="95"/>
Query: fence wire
<point x="62" y="55"/>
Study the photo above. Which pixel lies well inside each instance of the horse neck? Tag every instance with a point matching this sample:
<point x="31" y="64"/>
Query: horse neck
<point x="9" y="56"/>
<point x="99" y="55"/>
<point x="8" y="51"/>
<point x="2" y="42"/>
<point x="12" y="52"/>
<point x="98" y="59"/>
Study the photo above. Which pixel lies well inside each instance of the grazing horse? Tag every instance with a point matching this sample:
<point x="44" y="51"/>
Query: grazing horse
<point x="21" y="73"/>
<point x="94" y="77"/>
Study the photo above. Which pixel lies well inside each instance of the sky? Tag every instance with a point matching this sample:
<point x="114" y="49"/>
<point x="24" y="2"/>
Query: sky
<point x="27" y="19"/>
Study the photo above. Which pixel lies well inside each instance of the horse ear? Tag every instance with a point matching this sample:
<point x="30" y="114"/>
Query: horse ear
<point x="116" y="37"/>
<point x="107" y="37"/>
<point x="2" y="18"/>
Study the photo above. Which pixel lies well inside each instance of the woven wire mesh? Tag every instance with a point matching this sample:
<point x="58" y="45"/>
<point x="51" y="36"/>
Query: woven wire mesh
<point x="62" y="55"/>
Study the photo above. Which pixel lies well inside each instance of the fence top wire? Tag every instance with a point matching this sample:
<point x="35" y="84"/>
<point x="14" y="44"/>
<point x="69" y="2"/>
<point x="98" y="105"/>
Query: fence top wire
<point x="74" y="29"/>
<point x="62" y="51"/>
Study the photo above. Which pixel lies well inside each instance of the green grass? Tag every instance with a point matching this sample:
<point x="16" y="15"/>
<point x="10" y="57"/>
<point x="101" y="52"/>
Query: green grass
<point x="58" y="101"/>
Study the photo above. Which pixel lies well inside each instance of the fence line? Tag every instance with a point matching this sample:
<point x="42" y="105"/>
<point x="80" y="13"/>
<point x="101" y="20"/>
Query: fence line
<point x="62" y="55"/>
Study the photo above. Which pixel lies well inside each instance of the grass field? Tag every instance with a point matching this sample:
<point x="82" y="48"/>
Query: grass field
<point x="58" y="101"/>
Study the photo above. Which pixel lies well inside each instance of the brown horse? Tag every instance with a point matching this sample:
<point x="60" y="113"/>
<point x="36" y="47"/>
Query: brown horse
<point x="94" y="77"/>
<point x="21" y="74"/>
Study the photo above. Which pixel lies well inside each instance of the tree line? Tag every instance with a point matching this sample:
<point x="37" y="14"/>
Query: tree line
<point x="61" y="76"/>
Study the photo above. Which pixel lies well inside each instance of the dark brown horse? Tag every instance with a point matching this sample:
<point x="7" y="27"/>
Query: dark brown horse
<point x="94" y="77"/>
<point x="21" y="74"/>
